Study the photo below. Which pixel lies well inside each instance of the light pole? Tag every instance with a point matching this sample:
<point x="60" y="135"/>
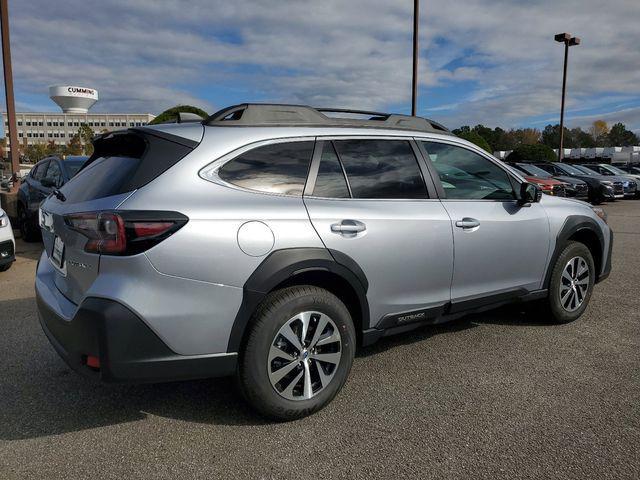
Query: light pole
<point x="568" y="41"/>
<point x="8" y="87"/>
<point x="414" y="79"/>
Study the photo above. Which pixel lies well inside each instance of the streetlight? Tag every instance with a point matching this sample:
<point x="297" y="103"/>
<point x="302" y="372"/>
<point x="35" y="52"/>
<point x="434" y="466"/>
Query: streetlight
<point x="414" y="79"/>
<point x="568" y="41"/>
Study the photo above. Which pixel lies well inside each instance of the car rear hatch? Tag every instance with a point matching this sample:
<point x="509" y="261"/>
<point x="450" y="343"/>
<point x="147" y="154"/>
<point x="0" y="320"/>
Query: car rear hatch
<point x="122" y="162"/>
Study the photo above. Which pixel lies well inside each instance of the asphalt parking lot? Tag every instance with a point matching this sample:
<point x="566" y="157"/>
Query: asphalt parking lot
<point x="497" y="395"/>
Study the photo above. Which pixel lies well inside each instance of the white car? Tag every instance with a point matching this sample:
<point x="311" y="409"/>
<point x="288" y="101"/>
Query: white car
<point x="7" y="242"/>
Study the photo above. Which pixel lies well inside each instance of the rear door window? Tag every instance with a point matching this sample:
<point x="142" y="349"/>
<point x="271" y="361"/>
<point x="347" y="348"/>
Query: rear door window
<point x="381" y="169"/>
<point x="279" y="168"/>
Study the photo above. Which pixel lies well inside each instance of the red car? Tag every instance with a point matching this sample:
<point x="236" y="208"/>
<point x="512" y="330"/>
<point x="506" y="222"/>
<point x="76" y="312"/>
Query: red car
<point x="548" y="185"/>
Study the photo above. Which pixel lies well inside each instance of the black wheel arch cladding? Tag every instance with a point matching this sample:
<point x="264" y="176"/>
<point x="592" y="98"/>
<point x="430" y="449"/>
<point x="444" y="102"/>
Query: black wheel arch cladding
<point x="577" y="225"/>
<point x="282" y="265"/>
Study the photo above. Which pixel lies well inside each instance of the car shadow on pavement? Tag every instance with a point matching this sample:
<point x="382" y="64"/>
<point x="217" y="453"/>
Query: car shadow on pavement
<point x="41" y="396"/>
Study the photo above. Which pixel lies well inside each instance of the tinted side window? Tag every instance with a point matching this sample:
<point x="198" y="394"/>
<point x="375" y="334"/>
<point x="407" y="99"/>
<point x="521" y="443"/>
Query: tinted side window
<point x="41" y="169"/>
<point x="330" y="182"/>
<point x="381" y="169"/>
<point x="279" y="168"/>
<point x="467" y="175"/>
<point x="53" y="172"/>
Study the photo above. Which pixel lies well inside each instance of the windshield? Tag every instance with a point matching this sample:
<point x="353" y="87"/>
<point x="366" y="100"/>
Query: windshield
<point x="533" y="170"/>
<point x="615" y="170"/>
<point x="570" y="169"/>
<point x="73" y="166"/>
<point x="586" y="170"/>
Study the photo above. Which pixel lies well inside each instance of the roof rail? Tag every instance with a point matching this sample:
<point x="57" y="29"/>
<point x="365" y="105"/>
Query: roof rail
<point x="262" y="114"/>
<point x="184" y="117"/>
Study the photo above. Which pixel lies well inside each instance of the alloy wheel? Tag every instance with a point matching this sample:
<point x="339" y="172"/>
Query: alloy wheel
<point x="574" y="284"/>
<point x="304" y="355"/>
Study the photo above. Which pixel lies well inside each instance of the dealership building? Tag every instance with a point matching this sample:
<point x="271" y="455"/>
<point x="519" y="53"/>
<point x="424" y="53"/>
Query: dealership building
<point x="60" y="127"/>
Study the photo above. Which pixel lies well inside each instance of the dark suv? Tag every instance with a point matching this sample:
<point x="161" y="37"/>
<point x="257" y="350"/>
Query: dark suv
<point x="600" y="188"/>
<point x="47" y="175"/>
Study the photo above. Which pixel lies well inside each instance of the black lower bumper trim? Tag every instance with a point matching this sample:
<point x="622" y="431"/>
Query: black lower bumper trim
<point x="128" y="350"/>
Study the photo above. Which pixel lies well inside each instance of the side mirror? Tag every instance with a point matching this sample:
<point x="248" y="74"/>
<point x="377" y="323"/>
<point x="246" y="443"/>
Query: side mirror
<point x="529" y="193"/>
<point x="48" y="182"/>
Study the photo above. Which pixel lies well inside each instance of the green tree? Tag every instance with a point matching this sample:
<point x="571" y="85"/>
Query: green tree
<point x="532" y="153"/>
<point x="36" y="152"/>
<point x="581" y="139"/>
<point x="551" y="137"/>
<point x="74" y="147"/>
<point x="86" y="134"/>
<point x="52" y="149"/>
<point x="473" y="137"/>
<point x="619" y="136"/>
<point x="172" y="113"/>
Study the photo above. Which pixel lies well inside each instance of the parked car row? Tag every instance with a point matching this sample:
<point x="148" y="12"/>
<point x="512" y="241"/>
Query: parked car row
<point x="44" y="178"/>
<point x="595" y="183"/>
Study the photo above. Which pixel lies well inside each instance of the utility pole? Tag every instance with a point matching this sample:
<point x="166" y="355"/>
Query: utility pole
<point x="8" y="87"/>
<point x="568" y="41"/>
<point x="414" y="80"/>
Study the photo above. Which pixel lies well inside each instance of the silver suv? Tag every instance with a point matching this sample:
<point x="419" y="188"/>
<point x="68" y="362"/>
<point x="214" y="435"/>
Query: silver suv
<point x="270" y="241"/>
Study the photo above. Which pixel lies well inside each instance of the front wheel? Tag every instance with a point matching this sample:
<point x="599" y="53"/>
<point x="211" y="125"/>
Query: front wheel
<point x="298" y="352"/>
<point x="571" y="286"/>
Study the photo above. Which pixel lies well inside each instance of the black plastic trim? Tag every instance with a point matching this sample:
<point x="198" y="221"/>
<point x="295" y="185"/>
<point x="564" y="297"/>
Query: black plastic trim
<point x="572" y="225"/>
<point x="281" y="265"/>
<point x="167" y="136"/>
<point x="389" y="325"/>
<point x="129" y="351"/>
<point x="412" y="316"/>
<point x="606" y="271"/>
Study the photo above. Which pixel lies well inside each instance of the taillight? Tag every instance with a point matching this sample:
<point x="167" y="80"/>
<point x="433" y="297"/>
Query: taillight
<point x="126" y="232"/>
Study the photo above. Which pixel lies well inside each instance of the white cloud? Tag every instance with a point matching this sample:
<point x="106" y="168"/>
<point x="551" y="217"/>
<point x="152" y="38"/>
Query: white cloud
<point x="149" y="55"/>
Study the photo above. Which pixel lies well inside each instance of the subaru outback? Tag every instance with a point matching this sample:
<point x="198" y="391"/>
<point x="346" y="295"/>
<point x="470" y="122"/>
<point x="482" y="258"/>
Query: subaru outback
<point x="269" y="242"/>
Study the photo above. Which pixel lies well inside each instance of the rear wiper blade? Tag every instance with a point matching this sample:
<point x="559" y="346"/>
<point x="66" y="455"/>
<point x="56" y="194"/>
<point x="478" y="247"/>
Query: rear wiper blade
<point x="59" y="195"/>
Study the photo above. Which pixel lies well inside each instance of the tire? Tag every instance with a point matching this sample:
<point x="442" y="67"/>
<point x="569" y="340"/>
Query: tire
<point x="28" y="232"/>
<point x="6" y="267"/>
<point x="282" y="313"/>
<point x="559" y="306"/>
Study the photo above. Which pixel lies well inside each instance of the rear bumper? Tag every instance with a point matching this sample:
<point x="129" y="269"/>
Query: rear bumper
<point x="7" y="253"/>
<point x="128" y="350"/>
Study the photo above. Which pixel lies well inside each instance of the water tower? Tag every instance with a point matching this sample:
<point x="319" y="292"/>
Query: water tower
<point x="73" y="99"/>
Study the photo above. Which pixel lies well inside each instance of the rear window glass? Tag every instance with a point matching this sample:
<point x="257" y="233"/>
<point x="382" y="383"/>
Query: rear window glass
<point x="121" y="163"/>
<point x="278" y="168"/>
<point x="104" y="177"/>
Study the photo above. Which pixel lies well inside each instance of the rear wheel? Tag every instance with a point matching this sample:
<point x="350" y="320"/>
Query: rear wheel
<point x="4" y="268"/>
<point x="571" y="285"/>
<point x="298" y="352"/>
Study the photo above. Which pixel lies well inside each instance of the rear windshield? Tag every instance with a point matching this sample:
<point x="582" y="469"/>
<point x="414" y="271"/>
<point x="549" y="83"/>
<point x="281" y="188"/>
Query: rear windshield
<point x="73" y="166"/>
<point x="123" y="162"/>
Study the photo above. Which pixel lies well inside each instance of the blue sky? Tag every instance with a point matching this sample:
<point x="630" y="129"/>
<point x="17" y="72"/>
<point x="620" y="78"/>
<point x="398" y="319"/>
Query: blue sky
<point x="481" y="61"/>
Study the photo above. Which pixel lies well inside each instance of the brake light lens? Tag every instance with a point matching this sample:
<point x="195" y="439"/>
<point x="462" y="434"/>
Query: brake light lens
<point x="124" y="233"/>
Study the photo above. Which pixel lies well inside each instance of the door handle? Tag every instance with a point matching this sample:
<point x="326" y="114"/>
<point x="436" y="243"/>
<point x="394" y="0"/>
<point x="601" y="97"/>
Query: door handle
<point x="348" y="227"/>
<point x="467" y="223"/>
